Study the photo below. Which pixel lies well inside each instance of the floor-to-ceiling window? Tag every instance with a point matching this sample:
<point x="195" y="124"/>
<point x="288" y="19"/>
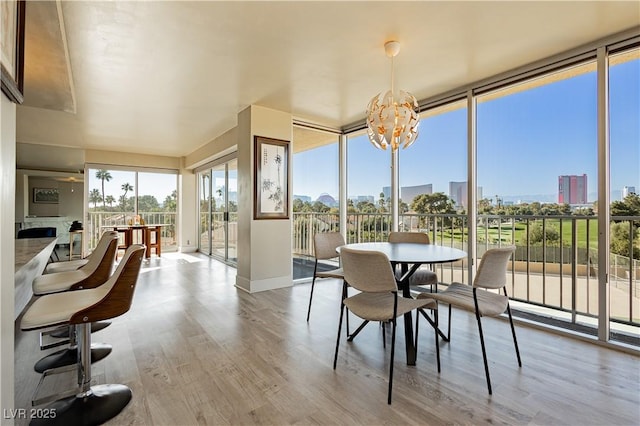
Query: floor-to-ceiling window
<point x="368" y="190"/>
<point x="433" y="175"/>
<point x="120" y="196"/>
<point x="624" y="136"/>
<point x="218" y="209"/>
<point x="316" y="200"/>
<point x="537" y="167"/>
<point x="537" y="153"/>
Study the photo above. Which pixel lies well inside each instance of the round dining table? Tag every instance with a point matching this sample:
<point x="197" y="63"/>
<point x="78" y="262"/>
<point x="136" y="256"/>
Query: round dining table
<point x="410" y="256"/>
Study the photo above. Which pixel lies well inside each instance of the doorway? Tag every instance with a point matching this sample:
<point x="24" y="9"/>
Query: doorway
<point x="219" y="211"/>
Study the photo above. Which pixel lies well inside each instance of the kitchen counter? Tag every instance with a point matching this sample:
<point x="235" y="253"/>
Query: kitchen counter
<point x="31" y="257"/>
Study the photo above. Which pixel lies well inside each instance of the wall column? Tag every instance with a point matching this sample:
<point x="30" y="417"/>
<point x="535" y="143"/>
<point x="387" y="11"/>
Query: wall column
<point x="7" y="252"/>
<point x="264" y="246"/>
<point x="187" y="211"/>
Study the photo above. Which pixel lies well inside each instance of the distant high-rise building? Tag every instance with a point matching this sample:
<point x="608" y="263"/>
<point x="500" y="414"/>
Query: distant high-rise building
<point x="386" y="190"/>
<point x="362" y="199"/>
<point x="408" y="193"/>
<point x="572" y="189"/>
<point x="626" y="190"/>
<point x="458" y="193"/>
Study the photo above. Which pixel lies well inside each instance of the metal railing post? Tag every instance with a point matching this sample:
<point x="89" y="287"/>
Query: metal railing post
<point x="574" y="268"/>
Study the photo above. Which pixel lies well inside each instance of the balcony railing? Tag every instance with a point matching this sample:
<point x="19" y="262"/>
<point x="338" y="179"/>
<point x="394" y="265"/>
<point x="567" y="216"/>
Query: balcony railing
<point x="99" y="221"/>
<point x="555" y="265"/>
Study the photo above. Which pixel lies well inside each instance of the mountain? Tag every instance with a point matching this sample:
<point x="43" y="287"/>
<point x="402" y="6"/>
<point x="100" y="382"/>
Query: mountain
<point x="529" y="198"/>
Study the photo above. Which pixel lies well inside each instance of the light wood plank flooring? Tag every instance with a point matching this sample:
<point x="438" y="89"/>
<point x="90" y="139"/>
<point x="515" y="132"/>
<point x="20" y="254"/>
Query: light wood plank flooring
<point x="195" y="350"/>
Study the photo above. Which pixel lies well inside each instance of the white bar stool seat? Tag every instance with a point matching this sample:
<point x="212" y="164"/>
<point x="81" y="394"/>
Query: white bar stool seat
<point x="96" y="271"/>
<point x="91" y="404"/>
<point x="71" y="265"/>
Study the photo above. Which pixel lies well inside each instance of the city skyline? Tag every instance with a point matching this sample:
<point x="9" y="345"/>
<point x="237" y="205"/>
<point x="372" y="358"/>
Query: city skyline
<point x="541" y="133"/>
<point x="616" y="195"/>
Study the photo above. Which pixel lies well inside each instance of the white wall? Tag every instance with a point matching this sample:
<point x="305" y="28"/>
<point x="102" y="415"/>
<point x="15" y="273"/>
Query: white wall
<point x="7" y="251"/>
<point x="187" y="211"/>
<point x="70" y="202"/>
<point x="130" y="159"/>
<point x="264" y="246"/>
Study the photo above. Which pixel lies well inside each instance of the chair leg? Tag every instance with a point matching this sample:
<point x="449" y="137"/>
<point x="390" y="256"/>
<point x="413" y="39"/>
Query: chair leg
<point x="313" y="283"/>
<point x="436" y="314"/>
<point x="448" y="338"/>
<point x="513" y="332"/>
<point x="415" y="343"/>
<point x="335" y="358"/>
<point x="345" y="294"/>
<point x="484" y="351"/>
<point x="393" y="349"/>
<point x="434" y="324"/>
<point x="358" y="330"/>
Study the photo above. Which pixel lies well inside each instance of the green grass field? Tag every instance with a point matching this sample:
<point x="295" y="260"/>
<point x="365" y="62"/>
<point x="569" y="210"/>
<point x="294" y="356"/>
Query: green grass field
<point x="516" y="234"/>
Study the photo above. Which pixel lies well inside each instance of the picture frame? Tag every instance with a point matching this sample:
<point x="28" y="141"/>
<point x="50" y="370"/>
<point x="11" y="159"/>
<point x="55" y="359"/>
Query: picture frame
<point x="271" y="178"/>
<point x="12" y="19"/>
<point x="46" y="195"/>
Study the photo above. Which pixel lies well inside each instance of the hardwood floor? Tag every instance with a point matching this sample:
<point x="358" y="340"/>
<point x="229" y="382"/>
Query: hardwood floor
<point x="196" y="350"/>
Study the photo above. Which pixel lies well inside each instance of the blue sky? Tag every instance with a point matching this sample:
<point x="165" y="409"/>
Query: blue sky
<point x="540" y="133"/>
<point x="160" y="185"/>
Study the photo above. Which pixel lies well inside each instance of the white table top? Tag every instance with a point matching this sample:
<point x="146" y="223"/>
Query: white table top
<point x="412" y="252"/>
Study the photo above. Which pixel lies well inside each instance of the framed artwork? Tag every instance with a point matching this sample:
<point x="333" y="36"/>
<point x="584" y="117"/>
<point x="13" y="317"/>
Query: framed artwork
<point x="12" y="19"/>
<point x="271" y="171"/>
<point x="46" y="195"/>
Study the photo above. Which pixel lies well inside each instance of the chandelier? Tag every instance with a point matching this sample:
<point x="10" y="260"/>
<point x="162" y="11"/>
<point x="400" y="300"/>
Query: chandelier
<point x="392" y="120"/>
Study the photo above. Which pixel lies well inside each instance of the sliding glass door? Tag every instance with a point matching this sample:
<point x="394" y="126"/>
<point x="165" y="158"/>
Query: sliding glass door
<point x="218" y="211"/>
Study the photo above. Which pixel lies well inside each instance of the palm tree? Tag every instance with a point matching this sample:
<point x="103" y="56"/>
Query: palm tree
<point x="103" y="175"/>
<point x="126" y="187"/>
<point x="110" y="200"/>
<point x="95" y="197"/>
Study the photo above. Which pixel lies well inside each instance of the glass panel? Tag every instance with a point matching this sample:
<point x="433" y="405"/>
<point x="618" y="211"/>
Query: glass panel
<point x="624" y="257"/>
<point x="219" y="201"/>
<point x="368" y="190"/>
<point x="537" y="170"/>
<point x="111" y="201"/>
<point x="157" y="204"/>
<point x="204" y="212"/>
<point x="315" y="194"/>
<point x="433" y="175"/>
<point x="232" y="208"/>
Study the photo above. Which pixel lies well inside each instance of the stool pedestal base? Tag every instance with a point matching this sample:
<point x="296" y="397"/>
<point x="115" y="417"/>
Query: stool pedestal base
<point x="102" y="402"/>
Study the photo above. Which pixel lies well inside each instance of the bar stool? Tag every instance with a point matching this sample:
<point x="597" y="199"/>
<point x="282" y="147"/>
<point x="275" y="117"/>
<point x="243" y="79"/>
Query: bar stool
<point x="91" y="404"/>
<point x="72" y="265"/>
<point x="95" y="273"/>
<point x="127" y="233"/>
<point x="155" y="242"/>
<point x="72" y="241"/>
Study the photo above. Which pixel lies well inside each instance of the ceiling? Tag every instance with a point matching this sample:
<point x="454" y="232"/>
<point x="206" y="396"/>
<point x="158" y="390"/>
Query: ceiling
<point x="165" y="78"/>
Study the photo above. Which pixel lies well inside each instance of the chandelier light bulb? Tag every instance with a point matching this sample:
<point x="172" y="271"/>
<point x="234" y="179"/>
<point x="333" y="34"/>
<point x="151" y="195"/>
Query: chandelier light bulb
<point x="392" y="120"/>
